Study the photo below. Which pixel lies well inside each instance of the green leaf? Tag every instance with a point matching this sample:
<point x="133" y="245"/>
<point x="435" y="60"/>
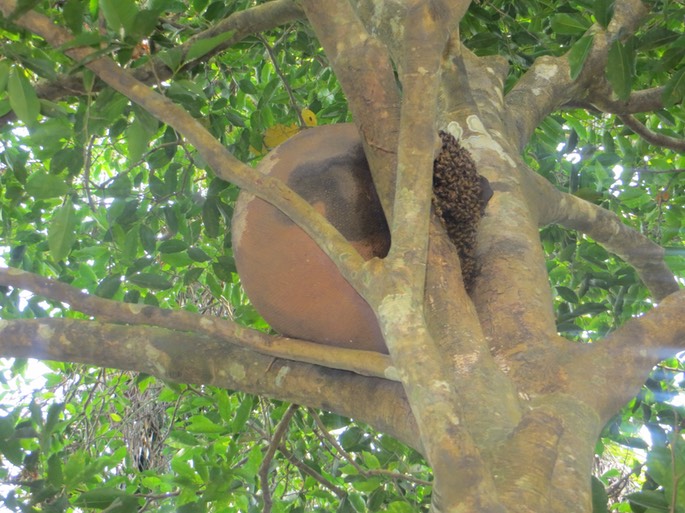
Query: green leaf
<point x="144" y="24"/>
<point x="198" y="255"/>
<point x="13" y="451"/>
<point x="148" y="238"/>
<point x="74" y="11"/>
<point x="674" y="90"/>
<point x="600" y="499"/>
<point x="211" y="218"/>
<point x="42" y="185"/>
<point x="569" y="24"/>
<point x="370" y="460"/>
<point x="55" y="473"/>
<point x="242" y="414"/>
<point x="172" y="246"/>
<point x="4" y="75"/>
<point x="201" y="424"/>
<point x="620" y="69"/>
<point x="357" y="502"/>
<point x="603" y="10"/>
<point x="119" y="14"/>
<point x="120" y="187"/>
<point x="184" y="438"/>
<point x="54" y="412"/>
<point x="22" y="96"/>
<point x="204" y="46"/>
<point x="150" y="281"/>
<point x="99" y="498"/>
<point x="137" y="138"/>
<point x="247" y="87"/>
<point x="650" y="499"/>
<point x="184" y="470"/>
<point x="368" y="484"/>
<point x="578" y="54"/>
<point x="192" y="275"/>
<point x="400" y="507"/>
<point x="62" y="231"/>
<point x="108" y="286"/>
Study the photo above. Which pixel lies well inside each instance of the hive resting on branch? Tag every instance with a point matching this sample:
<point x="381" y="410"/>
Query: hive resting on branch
<point x="290" y="280"/>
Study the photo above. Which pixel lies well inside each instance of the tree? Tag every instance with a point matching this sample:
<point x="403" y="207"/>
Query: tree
<point x="128" y="128"/>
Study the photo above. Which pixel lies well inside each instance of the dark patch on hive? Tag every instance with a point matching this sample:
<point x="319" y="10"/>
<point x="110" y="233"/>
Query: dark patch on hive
<point x="460" y="195"/>
<point x="344" y="185"/>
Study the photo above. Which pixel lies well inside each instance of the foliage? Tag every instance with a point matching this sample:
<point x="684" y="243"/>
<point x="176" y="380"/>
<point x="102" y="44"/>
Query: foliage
<point x="97" y="193"/>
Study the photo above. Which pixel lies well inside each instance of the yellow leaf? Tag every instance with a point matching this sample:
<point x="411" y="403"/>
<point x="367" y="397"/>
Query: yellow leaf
<point x="275" y="135"/>
<point x="308" y="117"/>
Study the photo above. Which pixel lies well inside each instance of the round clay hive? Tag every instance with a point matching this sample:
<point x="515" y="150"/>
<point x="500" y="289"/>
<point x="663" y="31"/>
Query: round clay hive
<point x="289" y="279"/>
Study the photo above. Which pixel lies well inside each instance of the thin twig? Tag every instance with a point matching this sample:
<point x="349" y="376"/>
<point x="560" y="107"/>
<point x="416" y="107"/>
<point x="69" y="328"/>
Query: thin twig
<point x="269" y="456"/>
<point x="284" y="81"/>
<point x="348" y="457"/>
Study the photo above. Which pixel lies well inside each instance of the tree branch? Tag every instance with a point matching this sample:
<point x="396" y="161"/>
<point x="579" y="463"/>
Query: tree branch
<point x="240" y="24"/>
<point x="672" y="143"/>
<point x="600" y="97"/>
<point x="189" y="358"/>
<point x="428" y="381"/>
<point x="225" y="165"/>
<point x="547" y="84"/>
<point x="367" y="363"/>
<point x="606" y="228"/>
<point x="275" y="441"/>
<point x="626" y="356"/>
<point x="363" y="67"/>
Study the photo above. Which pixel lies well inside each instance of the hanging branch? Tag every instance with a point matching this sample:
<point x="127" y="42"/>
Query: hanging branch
<point x="600" y="98"/>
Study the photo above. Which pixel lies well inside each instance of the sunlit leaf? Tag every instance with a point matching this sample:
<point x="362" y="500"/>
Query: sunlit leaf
<point x="620" y="69"/>
<point x="578" y="54"/>
<point x="22" y="96"/>
<point x="569" y="24"/>
<point x="204" y="46"/>
<point x="62" y="231"/>
<point x="674" y="90"/>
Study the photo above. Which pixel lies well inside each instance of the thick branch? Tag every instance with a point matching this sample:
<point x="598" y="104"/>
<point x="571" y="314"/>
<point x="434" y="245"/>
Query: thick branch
<point x="367" y="363"/>
<point x="600" y="98"/>
<point x="672" y="143"/>
<point x="427" y="380"/>
<point x="621" y="363"/>
<point x="547" y="84"/>
<point x="240" y="24"/>
<point x="606" y="228"/>
<point x="485" y="392"/>
<point x="187" y="358"/>
<point x="226" y="166"/>
<point x="365" y="72"/>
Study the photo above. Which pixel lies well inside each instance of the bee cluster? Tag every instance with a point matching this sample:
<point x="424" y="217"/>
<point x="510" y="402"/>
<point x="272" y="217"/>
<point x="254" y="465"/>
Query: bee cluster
<point x="460" y="195"/>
